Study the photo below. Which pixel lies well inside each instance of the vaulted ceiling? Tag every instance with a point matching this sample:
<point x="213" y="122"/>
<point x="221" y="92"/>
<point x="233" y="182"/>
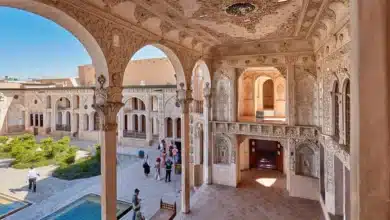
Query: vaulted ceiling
<point x="206" y="23"/>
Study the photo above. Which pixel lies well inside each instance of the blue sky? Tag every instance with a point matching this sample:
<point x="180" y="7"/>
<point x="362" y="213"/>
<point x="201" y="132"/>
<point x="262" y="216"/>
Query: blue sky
<point x="32" y="46"/>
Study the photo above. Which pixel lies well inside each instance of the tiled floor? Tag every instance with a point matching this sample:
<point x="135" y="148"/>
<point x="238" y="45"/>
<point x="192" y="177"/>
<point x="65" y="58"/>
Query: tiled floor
<point x="251" y="201"/>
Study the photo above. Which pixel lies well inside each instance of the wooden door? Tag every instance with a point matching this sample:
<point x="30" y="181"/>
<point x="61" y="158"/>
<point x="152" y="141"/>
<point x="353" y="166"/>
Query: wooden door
<point x="252" y="154"/>
<point x="279" y="158"/>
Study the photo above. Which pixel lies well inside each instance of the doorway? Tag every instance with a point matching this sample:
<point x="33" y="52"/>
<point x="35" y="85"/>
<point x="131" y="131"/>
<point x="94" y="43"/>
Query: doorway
<point x="264" y="154"/>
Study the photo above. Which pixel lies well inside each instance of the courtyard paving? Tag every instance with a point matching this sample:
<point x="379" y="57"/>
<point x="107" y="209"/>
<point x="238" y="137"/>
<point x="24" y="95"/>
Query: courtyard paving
<point x="261" y="196"/>
<point x="53" y="193"/>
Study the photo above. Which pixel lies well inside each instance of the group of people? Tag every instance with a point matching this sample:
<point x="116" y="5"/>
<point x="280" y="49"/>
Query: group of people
<point x="169" y="155"/>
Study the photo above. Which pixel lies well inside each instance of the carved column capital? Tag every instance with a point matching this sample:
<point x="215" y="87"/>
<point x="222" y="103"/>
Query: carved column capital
<point x="184" y="97"/>
<point x="108" y="112"/>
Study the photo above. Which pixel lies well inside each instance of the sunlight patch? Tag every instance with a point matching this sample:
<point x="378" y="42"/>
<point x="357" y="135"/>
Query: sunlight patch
<point x="267" y="182"/>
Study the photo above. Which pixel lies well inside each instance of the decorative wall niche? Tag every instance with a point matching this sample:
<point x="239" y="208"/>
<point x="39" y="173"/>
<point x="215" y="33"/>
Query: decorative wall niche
<point x="305" y="162"/>
<point x="222" y="150"/>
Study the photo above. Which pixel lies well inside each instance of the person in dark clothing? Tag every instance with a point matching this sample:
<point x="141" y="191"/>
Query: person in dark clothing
<point x="168" y="170"/>
<point x="146" y="166"/>
<point x="136" y="203"/>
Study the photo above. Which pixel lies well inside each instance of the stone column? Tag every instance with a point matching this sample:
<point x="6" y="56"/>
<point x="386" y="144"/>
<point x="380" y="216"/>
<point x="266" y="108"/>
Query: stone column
<point x="108" y="108"/>
<point x="207" y="135"/>
<point x="184" y="97"/>
<point x="26" y="120"/>
<point x="290" y="96"/>
<point x="139" y="123"/>
<point x="91" y="124"/>
<point x="148" y="124"/>
<point x="64" y="118"/>
<point x="73" y="123"/>
<point x="370" y="152"/>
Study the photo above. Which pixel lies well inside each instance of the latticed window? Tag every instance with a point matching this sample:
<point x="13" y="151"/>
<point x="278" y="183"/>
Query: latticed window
<point x="96" y="121"/>
<point x="222" y="151"/>
<point x="347" y="114"/>
<point x="336" y="112"/>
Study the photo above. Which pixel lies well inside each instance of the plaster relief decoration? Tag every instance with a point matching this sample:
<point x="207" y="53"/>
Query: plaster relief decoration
<point x="305" y="97"/>
<point x="222" y="149"/>
<point x="243" y="19"/>
<point x="305" y="161"/>
<point x="222" y="99"/>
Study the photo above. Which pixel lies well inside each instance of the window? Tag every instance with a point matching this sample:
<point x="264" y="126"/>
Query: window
<point x="41" y="120"/>
<point x="36" y="120"/>
<point x="336" y="112"/>
<point x="31" y="120"/>
<point x="347" y="114"/>
<point x="126" y="126"/>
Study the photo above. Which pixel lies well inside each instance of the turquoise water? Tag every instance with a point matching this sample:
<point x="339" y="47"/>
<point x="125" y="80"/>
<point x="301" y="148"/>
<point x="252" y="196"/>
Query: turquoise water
<point x="85" y="208"/>
<point x="6" y="208"/>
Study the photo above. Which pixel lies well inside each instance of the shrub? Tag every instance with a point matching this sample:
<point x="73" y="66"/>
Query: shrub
<point x="3" y="139"/>
<point x="98" y="152"/>
<point x="141" y="154"/>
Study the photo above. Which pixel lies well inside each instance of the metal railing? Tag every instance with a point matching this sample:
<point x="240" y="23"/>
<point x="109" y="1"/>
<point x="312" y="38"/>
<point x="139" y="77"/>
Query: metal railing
<point x="63" y="127"/>
<point x="134" y="134"/>
<point x="197" y="106"/>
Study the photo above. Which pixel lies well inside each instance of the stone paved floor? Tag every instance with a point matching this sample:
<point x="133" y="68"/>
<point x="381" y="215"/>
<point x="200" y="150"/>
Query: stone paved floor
<point x="251" y="201"/>
<point x="130" y="176"/>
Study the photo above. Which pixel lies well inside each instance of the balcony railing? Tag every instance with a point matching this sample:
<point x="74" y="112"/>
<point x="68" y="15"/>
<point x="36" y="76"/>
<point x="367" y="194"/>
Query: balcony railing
<point x="266" y="130"/>
<point x="134" y="134"/>
<point x="197" y="106"/>
<point x="63" y="127"/>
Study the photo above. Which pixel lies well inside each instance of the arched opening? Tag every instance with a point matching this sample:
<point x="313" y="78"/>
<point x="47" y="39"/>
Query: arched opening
<point x="305" y="161"/>
<point x="178" y="127"/>
<point x="168" y="127"/>
<point x="268" y="94"/>
<point x="336" y="111"/>
<point x="136" y="124"/>
<point x="86" y="122"/>
<point x="197" y="84"/>
<point x="126" y="122"/>
<point x="347" y="114"/>
<point x="143" y="124"/>
<point x="96" y="122"/>
<point x="63" y="103"/>
<point x="262" y="95"/>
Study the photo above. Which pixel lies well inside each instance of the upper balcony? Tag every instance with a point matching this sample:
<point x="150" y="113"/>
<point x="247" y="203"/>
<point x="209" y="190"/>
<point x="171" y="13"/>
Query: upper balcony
<point x="266" y="130"/>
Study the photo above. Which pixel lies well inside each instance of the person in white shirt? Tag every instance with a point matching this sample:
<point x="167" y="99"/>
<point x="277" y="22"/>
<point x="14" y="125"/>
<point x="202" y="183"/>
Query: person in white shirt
<point x="32" y="179"/>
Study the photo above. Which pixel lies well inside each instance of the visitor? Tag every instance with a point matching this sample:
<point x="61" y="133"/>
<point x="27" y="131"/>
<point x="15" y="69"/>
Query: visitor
<point x="157" y="166"/>
<point x="136" y="203"/>
<point x="139" y="216"/>
<point x="168" y="170"/>
<point x="175" y="153"/>
<point x="170" y="150"/>
<point x="32" y="179"/>
<point x="146" y="166"/>
<point x="163" y="158"/>
<point x="161" y="145"/>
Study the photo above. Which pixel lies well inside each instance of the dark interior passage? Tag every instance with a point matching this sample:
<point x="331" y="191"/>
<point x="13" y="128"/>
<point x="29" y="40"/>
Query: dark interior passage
<point x="265" y="155"/>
